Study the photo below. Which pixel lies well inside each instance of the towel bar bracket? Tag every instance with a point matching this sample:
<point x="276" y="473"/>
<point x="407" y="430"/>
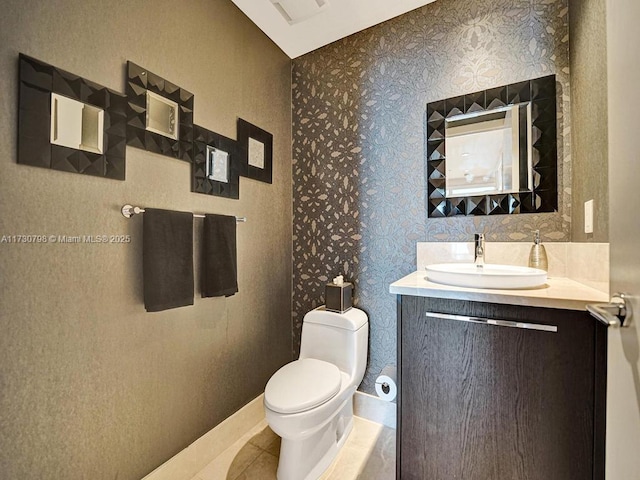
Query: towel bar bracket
<point x="129" y="211"/>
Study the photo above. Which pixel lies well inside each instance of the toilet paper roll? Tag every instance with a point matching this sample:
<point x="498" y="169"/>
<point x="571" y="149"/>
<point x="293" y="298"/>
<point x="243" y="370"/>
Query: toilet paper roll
<point x="386" y="387"/>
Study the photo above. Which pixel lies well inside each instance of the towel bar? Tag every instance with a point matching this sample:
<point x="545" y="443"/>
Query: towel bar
<point x="129" y="211"/>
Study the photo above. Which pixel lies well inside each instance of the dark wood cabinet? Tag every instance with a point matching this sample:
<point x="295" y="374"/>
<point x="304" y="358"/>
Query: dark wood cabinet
<point x="489" y="401"/>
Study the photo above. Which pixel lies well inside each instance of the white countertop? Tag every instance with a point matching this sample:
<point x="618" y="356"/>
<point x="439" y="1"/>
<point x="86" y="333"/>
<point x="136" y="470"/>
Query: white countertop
<point x="558" y="292"/>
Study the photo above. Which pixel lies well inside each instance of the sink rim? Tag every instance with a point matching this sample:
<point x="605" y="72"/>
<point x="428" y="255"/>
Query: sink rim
<point x="487" y="269"/>
<point x="492" y="276"/>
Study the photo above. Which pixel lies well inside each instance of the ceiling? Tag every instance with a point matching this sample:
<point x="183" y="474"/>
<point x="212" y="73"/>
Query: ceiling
<point x="338" y="19"/>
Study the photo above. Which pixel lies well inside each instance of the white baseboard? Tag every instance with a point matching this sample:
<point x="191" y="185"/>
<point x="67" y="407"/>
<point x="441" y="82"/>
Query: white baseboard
<point x="186" y="464"/>
<point x="375" y="409"/>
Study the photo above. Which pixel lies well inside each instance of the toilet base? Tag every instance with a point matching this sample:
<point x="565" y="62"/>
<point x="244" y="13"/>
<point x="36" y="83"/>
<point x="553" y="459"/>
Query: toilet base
<point x="307" y="458"/>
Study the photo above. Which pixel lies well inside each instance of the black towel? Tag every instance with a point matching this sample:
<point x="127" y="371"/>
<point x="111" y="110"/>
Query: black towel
<point x="167" y="259"/>
<point x="219" y="257"/>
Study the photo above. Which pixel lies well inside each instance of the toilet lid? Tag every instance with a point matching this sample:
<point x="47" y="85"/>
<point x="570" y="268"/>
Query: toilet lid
<point x="302" y="385"/>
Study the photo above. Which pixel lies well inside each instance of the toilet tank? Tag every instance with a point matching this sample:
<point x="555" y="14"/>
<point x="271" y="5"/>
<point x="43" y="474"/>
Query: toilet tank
<point x="338" y="338"/>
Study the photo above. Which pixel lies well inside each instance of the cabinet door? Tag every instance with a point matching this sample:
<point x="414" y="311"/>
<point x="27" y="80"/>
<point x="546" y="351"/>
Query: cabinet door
<point x="481" y="401"/>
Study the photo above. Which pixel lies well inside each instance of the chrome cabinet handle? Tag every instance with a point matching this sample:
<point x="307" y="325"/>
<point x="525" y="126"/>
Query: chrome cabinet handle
<point x="616" y="313"/>
<point x="490" y="321"/>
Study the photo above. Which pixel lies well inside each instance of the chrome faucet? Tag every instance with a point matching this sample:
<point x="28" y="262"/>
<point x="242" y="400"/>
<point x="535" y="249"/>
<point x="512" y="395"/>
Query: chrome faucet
<point x="479" y="250"/>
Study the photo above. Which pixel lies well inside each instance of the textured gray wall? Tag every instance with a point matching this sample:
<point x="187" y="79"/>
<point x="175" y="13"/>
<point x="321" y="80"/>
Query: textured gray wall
<point x="589" y="117"/>
<point x="359" y="135"/>
<point x="91" y="386"/>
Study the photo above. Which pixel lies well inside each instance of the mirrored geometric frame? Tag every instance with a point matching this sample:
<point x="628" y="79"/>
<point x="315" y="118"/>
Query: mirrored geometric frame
<point x="139" y="81"/>
<point x="250" y="134"/>
<point x="204" y="141"/>
<point x="38" y="81"/>
<point x="541" y="92"/>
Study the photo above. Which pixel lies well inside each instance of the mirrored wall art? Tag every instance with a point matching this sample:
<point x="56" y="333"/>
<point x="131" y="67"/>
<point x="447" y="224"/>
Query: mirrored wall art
<point x="493" y="152"/>
<point x="69" y="123"/>
<point x="257" y="146"/>
<point x="162" y="115"/>
<point x="217" y="164"/>
<point x="76" y="125"/>
<point x="160" y="118"/>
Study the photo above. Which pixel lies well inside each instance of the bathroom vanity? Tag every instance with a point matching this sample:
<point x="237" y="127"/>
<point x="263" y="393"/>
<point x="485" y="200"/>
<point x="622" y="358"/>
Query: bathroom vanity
<point x="499" y="384"/>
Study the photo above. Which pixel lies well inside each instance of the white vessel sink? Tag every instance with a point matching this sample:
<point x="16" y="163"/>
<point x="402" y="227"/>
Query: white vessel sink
<point x="488" y="276"/>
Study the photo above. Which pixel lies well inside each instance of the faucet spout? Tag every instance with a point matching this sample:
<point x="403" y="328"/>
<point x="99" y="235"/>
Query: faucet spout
<point x="479" y="250"/>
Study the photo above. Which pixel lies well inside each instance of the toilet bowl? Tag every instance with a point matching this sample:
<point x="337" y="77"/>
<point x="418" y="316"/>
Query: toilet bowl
<point x="309" y="402"/>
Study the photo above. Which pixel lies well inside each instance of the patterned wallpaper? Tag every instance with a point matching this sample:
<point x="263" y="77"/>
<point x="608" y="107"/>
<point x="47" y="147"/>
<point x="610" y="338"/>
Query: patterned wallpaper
<point x="359" y="145"/>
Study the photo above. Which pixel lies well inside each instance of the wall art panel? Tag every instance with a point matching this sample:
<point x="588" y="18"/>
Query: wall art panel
<point x="257" y="148"/>
<point x="160" y="118"/>
<point x="217" y="164"/>
<point x="69" y="123"/>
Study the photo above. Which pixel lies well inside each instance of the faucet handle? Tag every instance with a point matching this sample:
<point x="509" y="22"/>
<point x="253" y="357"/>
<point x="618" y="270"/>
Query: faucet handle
<point x="479" y="250"/>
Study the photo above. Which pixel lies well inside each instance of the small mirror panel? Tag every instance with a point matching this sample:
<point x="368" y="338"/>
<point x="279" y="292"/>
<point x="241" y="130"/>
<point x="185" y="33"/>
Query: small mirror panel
<point x="256" y="153"/>
<point x="162" y="115"/>
<point x="76" y="125"/>
<point x="217" y="165"/>
<point x="489" y="152"/>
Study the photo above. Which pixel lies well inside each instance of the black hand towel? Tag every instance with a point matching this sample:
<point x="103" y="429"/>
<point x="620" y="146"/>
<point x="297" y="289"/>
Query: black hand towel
<point x="167" y="259"/>
<point x="219" y="257"/>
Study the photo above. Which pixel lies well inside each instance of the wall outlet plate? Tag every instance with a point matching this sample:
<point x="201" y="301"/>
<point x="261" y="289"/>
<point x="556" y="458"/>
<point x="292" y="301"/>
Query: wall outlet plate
<point x="588" y="216"/>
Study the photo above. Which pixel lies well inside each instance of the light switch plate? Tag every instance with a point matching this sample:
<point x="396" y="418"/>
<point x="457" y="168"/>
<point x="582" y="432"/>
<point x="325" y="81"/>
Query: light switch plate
<point x="588" y="216"/>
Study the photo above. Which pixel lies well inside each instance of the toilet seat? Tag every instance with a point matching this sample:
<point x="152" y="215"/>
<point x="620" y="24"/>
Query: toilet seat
<point x="302" y="385"/>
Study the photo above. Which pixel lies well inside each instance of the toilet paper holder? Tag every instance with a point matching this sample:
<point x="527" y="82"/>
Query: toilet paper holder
<point x="385" y="386"/>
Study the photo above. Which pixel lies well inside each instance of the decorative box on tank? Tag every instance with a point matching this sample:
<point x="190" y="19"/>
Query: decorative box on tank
<point x="338" y="295"/>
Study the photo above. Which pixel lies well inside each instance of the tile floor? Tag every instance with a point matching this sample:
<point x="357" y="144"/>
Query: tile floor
<point x="368" y="454"/>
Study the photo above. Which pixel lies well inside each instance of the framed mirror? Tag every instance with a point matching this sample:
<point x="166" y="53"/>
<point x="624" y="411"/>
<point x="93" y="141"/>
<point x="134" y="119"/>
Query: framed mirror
<point x="160" y="114"/>
<point x="217" y="164"/>
<point x="257" y="146"/>
<point x="493" y="152"/>
<point x="68" y="123"/>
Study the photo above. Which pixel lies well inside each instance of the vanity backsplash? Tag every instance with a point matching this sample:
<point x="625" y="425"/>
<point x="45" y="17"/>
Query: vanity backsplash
<point x="587" y="263"/>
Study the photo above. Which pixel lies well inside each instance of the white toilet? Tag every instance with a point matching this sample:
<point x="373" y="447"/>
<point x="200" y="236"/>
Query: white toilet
<point x="309" y="402"/>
